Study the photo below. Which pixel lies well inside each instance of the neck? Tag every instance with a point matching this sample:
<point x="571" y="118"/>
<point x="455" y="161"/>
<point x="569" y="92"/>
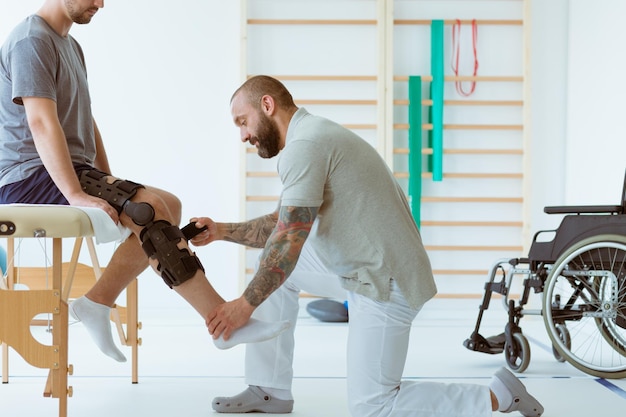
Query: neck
<point x="56" y="17"/>
<point x="283" y="123"/>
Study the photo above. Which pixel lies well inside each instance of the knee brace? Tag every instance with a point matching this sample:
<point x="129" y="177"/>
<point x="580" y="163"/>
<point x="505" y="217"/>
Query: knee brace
<point x="160" y="241"/>
<point x="118" y="195"/>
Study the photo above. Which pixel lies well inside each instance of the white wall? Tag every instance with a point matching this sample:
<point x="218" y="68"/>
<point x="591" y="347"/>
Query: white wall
<point x="162" y="72"/>
<point x="596" y="150"/>
<point x="577" y="93"/>
<point x="548" y="85"/>
<point x="161" y="75"/>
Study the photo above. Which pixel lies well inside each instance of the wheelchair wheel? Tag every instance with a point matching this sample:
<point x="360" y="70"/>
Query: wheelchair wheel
<point x="586" y="292"/>
<point x="613" y="330"/>
<point x="565" y="338"/>
<point x="517" y="355"/>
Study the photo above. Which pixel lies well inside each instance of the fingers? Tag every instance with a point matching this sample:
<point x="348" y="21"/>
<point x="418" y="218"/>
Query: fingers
<point x="200" y="221"/>
<point x="217" y="327"/>
<point x="112" y="213"/>
<point x="97" y="202"/>
<point x="204" y="237"/>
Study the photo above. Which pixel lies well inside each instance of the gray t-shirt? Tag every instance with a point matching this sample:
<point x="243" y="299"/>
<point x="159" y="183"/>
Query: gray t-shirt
<point x="365" y="232"/>
<point x="35" y="61"/>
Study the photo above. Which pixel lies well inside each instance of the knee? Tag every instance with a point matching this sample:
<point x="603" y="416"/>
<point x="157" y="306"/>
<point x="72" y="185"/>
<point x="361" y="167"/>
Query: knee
<point x="174" y="206"/>
<point x="167" y="205"/>
<point x="168" y="210"/>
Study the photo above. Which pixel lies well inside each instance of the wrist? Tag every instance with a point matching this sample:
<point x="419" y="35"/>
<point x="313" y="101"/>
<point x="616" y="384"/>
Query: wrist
<point x="74" y="196"/>
<point x="245" y="305"/>
<point x="221" y="231"/>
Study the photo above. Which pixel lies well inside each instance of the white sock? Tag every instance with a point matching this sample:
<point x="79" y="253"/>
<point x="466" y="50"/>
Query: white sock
<point x="96" y="319"/>
<point x="254" y="331"/>
<point x="502" y="393"/>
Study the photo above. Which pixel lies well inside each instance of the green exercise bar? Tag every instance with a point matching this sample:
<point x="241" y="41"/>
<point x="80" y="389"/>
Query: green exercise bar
<point x="436" y="94"/>
<point x="415" y="146"/>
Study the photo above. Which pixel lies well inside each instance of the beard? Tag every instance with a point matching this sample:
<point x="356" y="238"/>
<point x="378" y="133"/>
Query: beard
<point x="77" y="15"/>
<point x="267" y="137"/>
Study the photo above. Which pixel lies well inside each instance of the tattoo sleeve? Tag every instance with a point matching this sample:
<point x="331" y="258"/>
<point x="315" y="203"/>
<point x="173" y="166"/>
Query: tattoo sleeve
<point x="253" y="233"/>
<point x="281" y="252"/>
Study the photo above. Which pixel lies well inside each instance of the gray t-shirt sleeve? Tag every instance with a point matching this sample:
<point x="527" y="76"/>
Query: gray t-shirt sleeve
<point x="31" y="70"/>
<point x="303" y="170"/>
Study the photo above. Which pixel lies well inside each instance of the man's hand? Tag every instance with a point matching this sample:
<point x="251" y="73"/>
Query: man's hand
<point x="209" y="235"/>
<point x="86" y="200"/>
<point x="227" y="317"/>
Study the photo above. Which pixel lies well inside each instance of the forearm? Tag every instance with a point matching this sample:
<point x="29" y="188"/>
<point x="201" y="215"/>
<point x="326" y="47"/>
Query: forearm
<point x="281" y="252"/>
<point x="253" y="233"/>
<point x="54" y="154"/>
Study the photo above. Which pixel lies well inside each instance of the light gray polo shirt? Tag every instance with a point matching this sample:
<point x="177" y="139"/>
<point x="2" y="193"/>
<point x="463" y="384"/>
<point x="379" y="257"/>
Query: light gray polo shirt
<point x="366" y="233"/>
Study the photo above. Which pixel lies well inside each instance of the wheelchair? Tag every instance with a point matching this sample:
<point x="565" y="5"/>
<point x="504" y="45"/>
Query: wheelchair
<point x="581" y="274"/>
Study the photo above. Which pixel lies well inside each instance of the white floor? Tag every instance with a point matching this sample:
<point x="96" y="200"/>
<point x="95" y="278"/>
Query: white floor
<point x="180" y="371"/>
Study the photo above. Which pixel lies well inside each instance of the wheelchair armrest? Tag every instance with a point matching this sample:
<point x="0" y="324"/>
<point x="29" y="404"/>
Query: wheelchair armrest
<point x="582" y="209"/>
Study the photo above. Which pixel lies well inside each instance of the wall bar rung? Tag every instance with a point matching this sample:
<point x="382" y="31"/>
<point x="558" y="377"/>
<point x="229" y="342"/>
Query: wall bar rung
<point x="338" y="102"/>
<point x="312" y="22"/>
<point x="473" y="248"/>
<point x="428" y="126"/>
<point x="472" y="200"/>
<point x="428" y="151"/>
<point x="484" y="175"/>
<point x="482" y="22"/>
<point x="477" y="78"/>
<point x="470" y="223"/>
<point x="488" y="200"/>
<point x="304" y="77"/>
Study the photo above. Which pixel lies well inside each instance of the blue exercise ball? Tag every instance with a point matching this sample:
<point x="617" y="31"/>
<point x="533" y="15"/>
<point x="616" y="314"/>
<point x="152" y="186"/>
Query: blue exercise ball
<point x="3" y="260"/>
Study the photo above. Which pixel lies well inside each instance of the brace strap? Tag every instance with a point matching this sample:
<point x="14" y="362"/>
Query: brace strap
<point x="94" y="182"/>
<point x="176" y="265"/>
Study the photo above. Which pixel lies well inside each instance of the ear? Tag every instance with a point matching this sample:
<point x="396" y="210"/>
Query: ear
<point x="268" y="105"/>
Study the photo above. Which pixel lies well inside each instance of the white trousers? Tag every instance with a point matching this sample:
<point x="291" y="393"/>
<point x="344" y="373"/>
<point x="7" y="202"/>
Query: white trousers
<point x="378" y="344"/>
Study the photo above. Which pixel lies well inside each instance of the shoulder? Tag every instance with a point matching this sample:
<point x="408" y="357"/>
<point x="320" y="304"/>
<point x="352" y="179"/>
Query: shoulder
<point x="32" y="34"/>
<point x="34" y="27"/>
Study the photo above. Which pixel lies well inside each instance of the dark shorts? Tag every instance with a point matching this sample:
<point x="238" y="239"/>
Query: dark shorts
<point x="36" y="189"/>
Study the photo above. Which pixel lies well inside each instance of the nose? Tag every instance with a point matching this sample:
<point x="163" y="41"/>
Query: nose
<point x="99" y="4"/>
<point x="244" y="134"/>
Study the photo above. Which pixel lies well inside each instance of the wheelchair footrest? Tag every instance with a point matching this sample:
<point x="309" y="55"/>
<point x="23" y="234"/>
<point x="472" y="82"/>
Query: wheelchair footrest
<point x="492" y="345"/>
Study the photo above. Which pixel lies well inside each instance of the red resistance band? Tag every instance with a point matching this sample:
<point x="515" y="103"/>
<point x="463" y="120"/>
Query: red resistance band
<point x="456" y="34"/>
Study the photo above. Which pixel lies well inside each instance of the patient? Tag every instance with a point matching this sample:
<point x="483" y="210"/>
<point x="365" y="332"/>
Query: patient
<point x="51" y="152"/>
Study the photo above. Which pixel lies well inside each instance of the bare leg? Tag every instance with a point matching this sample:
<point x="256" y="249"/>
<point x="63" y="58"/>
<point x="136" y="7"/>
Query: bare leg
<point x="94" y="308"/>
<point x="494" y="401"/>
<point x="129" y="260"/>
<point x="200" y="294"/>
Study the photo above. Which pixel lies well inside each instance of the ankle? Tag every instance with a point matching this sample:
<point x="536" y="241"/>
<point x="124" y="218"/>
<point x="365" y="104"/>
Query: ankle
<point x="280" y="394"/>
<point x="494" y="401"/>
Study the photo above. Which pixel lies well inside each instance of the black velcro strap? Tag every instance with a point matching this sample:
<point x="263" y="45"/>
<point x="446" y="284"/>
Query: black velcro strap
<point x="94" y="182"/>
<point x="190" y="231"/>
<point x="129" y="186"/>
<point x="160" y="241"/>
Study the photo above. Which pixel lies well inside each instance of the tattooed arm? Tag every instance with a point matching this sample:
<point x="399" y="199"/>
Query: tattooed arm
<point x="278" y="261"/>
<point x="253" y="233"/>
<point x="281" y="252"/>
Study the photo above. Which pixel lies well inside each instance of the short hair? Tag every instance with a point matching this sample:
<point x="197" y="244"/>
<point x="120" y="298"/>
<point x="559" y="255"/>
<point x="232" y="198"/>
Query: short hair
<point x="260" y="85"/>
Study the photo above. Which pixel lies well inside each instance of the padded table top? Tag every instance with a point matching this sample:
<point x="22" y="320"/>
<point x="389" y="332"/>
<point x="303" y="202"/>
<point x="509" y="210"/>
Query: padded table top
<point x="18" y="220"/>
